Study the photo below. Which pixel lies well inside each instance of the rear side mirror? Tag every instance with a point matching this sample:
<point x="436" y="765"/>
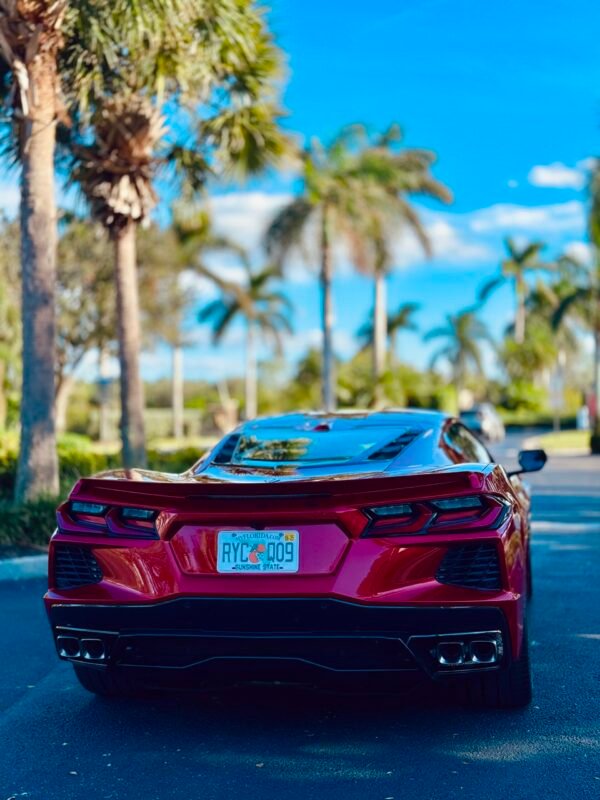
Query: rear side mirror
<point x="530" y="461"/>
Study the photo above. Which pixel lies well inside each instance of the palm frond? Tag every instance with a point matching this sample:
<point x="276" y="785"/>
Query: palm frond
<point x="286" y="229"/>
<point x="489" y="287"/>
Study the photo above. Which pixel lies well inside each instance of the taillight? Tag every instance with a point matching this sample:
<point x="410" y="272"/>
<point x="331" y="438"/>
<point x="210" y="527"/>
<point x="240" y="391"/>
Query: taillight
<point x="88" y="513"/>
<point x="141" y="519"/>
<point x="119" y="521"/>
<point x="462" y="514"/>
<point x="458" y="503"/>
<point x="396" y="511"/>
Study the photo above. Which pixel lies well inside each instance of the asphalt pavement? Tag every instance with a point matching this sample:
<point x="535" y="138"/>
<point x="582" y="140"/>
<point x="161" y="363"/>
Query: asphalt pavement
<point x="57" y="742"/>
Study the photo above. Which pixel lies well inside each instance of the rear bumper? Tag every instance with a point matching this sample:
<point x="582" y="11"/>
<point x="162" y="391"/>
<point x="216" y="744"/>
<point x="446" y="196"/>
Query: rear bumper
<point x="305" y="636"/>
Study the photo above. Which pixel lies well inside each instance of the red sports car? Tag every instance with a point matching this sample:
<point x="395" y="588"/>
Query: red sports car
<point x="303" y="547"/>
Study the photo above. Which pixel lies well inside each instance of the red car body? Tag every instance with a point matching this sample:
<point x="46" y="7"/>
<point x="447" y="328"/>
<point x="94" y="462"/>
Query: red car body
<point x="412" y="551"/>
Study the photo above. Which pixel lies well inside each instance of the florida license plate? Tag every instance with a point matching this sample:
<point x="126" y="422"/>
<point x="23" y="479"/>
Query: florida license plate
<point x="258" y="551"/>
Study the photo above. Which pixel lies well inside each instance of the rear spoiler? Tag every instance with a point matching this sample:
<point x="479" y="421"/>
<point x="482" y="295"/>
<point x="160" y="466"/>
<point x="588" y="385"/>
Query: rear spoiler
<point x="185" y="492"/>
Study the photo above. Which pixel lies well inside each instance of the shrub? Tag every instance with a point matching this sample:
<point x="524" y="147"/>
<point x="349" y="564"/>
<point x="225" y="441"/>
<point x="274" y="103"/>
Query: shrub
<point x="173" y="461"/>
<point x="28" y="523"/>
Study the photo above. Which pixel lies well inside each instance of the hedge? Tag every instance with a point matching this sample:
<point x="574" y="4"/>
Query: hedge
<point x="29" y="523"/>
<point x="34" y="522"/>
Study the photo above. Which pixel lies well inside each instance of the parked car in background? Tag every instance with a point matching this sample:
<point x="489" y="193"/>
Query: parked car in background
<point x="306" y="547"/>
<point x="485" y="422"/>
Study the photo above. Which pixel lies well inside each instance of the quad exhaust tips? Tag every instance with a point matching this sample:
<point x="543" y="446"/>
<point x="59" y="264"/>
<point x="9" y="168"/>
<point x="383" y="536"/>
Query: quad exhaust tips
<point x="456" y="652"/>
<point x="87" y="649"/>
<point x="478" y="651"/>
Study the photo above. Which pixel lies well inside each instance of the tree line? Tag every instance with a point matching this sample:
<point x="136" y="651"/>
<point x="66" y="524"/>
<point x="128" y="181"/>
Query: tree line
<point x="111" y="97"/>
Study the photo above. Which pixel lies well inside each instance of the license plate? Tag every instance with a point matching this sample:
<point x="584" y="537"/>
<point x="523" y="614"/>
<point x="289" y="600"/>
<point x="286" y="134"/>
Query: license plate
<point x="258" y="551"/>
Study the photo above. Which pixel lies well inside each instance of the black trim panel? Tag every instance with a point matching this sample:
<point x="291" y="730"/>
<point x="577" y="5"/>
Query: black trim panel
<point x="220" y="615"/>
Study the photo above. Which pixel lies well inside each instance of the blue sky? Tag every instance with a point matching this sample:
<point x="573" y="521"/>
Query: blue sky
<point x="508" y="95"/>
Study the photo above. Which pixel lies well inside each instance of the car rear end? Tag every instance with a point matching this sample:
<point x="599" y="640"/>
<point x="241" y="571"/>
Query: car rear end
<point x="399" y="577"/>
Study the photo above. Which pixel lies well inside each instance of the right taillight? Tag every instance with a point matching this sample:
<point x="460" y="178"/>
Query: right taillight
<point x="461" y="514"/>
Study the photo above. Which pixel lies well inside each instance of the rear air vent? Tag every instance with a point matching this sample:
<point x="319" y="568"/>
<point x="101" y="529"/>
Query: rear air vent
<point x="474" y="566"/>
<point x="75" y="566"/>
<point x="395" y="447"/>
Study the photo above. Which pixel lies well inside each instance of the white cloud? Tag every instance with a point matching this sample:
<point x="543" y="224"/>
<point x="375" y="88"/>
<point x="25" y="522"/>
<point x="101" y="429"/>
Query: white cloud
<point x="580" y="251"/>
<point x="558" y="176"/>
<point x="448" y="242"/>
<point x="559" y="217"/>
<point x="244" y="216"/>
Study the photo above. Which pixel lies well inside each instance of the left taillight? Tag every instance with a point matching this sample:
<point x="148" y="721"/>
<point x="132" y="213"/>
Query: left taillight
<point x="464" y="513"/>
<point x="123" y="521"/>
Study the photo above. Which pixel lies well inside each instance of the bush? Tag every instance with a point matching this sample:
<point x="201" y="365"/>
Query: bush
<point x="28" y="523"/>
<point x="524" y="395"/>
<point x="75" y="458"/>
<point x="173" y="461"/>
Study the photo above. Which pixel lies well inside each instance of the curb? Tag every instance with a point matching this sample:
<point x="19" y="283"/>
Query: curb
<point x="16" y="569"/>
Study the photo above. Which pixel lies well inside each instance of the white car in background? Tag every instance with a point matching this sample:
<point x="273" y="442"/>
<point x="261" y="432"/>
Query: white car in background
<point x="484" y="421"/>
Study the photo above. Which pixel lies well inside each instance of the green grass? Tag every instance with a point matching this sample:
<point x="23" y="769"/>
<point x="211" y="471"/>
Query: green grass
<point x="564" y="440"/>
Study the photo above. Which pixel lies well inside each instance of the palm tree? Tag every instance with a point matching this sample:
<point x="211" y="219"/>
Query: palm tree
<point x="327" y="207"/>
<point x="463" y="333"/>
<point x="195" y="238"/>
<point x="264" y="310"/>
<point x="356" y="190"/>
<point x="219" y="58"/>
<point x="521" y="262"/>
<point x="402" y="319"/>
<point x="30" y="40"/>
<point x="51" y="54"/>
<point x="390" y="176"/>
<point x="594" y="233"/>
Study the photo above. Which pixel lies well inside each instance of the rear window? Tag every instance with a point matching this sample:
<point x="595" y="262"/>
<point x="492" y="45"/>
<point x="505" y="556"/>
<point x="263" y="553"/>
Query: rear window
<point x="309" y="446"/>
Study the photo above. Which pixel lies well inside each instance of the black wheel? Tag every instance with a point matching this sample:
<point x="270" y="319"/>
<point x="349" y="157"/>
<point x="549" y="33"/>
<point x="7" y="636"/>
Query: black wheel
<point x="106" y="682"/>
<point x="507" y="688"/>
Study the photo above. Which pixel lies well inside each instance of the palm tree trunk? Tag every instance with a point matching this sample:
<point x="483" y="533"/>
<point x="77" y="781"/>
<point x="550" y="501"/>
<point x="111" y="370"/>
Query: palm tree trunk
<point x="250" y="404"/>
<point x="328" y="374"/>
<point x="520" y="311"/>
<point x="379" y="335"/>
<point x="128" y="324"/>
<point x="37" y="471"/>
<point x="177" y="392"/>
<point x="595" y="422"/>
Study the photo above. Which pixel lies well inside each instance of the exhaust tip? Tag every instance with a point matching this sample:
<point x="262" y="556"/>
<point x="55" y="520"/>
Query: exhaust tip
<point x="484" y="652"/>
<point x="68" y="646"/>
<point x="451" y="653"/>
<point x="93" y="649"/>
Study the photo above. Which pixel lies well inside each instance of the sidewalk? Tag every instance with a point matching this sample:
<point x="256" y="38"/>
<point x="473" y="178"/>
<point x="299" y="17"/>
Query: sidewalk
<point x="19" y="563"/>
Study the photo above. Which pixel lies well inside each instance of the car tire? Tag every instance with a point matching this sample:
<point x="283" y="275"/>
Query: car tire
<point x="106" y="682"/>
<point x="529" y="575"/>
<point x="507" y="688"/>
